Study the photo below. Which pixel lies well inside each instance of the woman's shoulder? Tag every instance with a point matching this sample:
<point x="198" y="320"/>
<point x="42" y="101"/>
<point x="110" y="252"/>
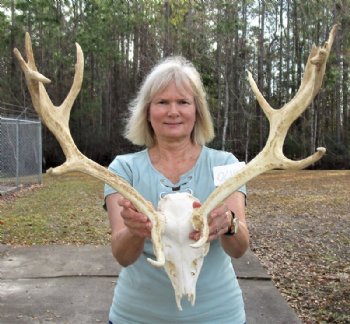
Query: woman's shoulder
<point x="129" y="158"/>
<point x="126" y="165"/>
<point x="218" y="156"/>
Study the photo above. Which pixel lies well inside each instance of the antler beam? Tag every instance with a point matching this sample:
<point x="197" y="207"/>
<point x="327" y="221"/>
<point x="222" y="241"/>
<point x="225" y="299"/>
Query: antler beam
<point x="272" y="157"/>
<point x="56" y="118"/>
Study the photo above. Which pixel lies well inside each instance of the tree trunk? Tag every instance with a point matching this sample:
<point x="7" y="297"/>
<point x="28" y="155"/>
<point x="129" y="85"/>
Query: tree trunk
<point x="261" y="59"/>
<point x="226" y="107"/>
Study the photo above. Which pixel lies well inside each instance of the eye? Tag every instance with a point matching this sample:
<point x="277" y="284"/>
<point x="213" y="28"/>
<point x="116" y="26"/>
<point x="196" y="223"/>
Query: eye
<point x="184" y="102"/>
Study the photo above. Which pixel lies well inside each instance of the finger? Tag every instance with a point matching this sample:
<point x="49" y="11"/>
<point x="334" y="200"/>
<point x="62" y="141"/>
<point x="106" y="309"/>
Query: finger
<point x="135" y="219"/>
<point x="217" y="211"/>
<point x="126" y="203"/>
<point x="220" y="215"/>
<point x="214" y="228"/>
<point x="138" y="228"/>
<point x="137" y="224"/>
<point x="212" y="218"/>
<point x="228" y="218"/>
<point x="215" y="234"/>
<point x="196" y="204"/>
<point x="195" y="235"/>
<point x="221" y="210"/>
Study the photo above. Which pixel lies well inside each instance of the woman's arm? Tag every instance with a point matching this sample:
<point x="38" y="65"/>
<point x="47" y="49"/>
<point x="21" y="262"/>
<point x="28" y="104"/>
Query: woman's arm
<point x="219" y="221"/>
<point x="236" y="245"/>
<point x="129" y="229"/>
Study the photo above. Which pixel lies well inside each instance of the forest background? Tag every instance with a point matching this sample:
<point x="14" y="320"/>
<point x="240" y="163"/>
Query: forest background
<point x="122" y="40"/>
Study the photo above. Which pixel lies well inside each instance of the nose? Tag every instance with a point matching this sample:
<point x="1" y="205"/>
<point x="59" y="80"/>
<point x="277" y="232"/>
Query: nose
<point x="173" y="110"/>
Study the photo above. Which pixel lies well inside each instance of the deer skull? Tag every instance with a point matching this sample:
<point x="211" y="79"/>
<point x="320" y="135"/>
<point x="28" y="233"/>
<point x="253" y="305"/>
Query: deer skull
<point x="182" y="261"/>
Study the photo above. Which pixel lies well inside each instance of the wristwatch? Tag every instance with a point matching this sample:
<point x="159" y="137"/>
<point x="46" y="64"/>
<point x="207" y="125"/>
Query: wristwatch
<point x="233" y="228"/>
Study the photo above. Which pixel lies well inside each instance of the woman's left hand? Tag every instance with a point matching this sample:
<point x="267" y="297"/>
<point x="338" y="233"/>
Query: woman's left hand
<point x="219" y="220"/>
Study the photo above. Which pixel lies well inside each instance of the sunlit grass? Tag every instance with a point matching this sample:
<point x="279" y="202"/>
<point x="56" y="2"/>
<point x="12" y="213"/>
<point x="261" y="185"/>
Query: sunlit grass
<point x="66" y="209"/>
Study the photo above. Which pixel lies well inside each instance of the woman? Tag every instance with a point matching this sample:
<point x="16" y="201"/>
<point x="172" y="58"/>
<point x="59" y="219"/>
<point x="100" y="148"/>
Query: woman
<point x="171" y="118"/>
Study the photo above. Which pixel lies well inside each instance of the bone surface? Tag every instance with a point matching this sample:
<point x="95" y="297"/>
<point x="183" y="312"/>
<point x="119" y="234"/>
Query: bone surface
<point x="183" y="263"/>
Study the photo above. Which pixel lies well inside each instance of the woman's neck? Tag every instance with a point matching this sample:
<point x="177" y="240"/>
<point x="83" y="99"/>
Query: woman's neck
<point x="174" y="160"/>
<point x="175" y="152"/>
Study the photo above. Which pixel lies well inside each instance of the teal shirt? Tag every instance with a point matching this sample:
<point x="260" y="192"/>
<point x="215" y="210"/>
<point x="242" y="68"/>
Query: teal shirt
<point x="144" y="294"/>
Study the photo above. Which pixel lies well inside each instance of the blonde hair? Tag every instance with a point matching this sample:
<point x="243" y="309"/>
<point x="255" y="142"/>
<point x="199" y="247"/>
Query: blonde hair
<point x="176" y="69"/>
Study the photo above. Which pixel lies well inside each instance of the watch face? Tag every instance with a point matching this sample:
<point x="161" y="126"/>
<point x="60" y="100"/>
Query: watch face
<point x="234" y="225"/>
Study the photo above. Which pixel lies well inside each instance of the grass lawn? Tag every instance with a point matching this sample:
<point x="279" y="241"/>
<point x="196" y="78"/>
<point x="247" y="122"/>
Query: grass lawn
<point x="63" y="210"/>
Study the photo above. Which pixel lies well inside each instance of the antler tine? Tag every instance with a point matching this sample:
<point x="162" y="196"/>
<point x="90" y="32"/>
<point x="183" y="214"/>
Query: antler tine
<point x="77" y="82"/>
<point x="323" y="57"/>
<point x="57" y="120"/>
<point x="29" y="52"/>
<point x="272" y="157"/>
<point x="268" y="110"/>
<point x="31" y="73"/>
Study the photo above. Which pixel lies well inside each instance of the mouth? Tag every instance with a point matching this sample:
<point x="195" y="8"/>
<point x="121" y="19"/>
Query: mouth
<point x="173" y="124"/>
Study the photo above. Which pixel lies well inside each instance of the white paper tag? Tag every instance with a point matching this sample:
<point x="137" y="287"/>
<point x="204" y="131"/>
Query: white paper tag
<point x="224" y="172"/>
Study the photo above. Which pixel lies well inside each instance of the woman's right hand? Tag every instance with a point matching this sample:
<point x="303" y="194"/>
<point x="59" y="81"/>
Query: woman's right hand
<point x="129" y="229"/>
<point x="137" y="223"/>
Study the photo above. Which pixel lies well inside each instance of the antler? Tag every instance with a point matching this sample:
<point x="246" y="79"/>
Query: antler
<point x="272" y="157"/>
<point x="56" y="118"/>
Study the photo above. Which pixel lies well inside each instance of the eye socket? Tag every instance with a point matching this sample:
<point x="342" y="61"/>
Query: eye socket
<point x="184" y="102"/>
<point x="181" y="102"/>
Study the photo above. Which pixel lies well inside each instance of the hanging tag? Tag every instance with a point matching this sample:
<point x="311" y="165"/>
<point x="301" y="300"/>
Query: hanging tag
<point x="224" y="172"/>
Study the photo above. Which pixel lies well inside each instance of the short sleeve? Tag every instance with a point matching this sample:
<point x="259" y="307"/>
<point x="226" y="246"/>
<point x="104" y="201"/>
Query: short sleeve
<point x="122" y="167"/>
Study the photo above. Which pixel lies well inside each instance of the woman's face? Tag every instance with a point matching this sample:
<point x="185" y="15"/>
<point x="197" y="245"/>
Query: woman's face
<point x="172" y="114"/>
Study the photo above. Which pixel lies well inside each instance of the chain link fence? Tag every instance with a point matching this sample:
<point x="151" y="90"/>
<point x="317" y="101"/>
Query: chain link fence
<point x="20" y="153"/>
